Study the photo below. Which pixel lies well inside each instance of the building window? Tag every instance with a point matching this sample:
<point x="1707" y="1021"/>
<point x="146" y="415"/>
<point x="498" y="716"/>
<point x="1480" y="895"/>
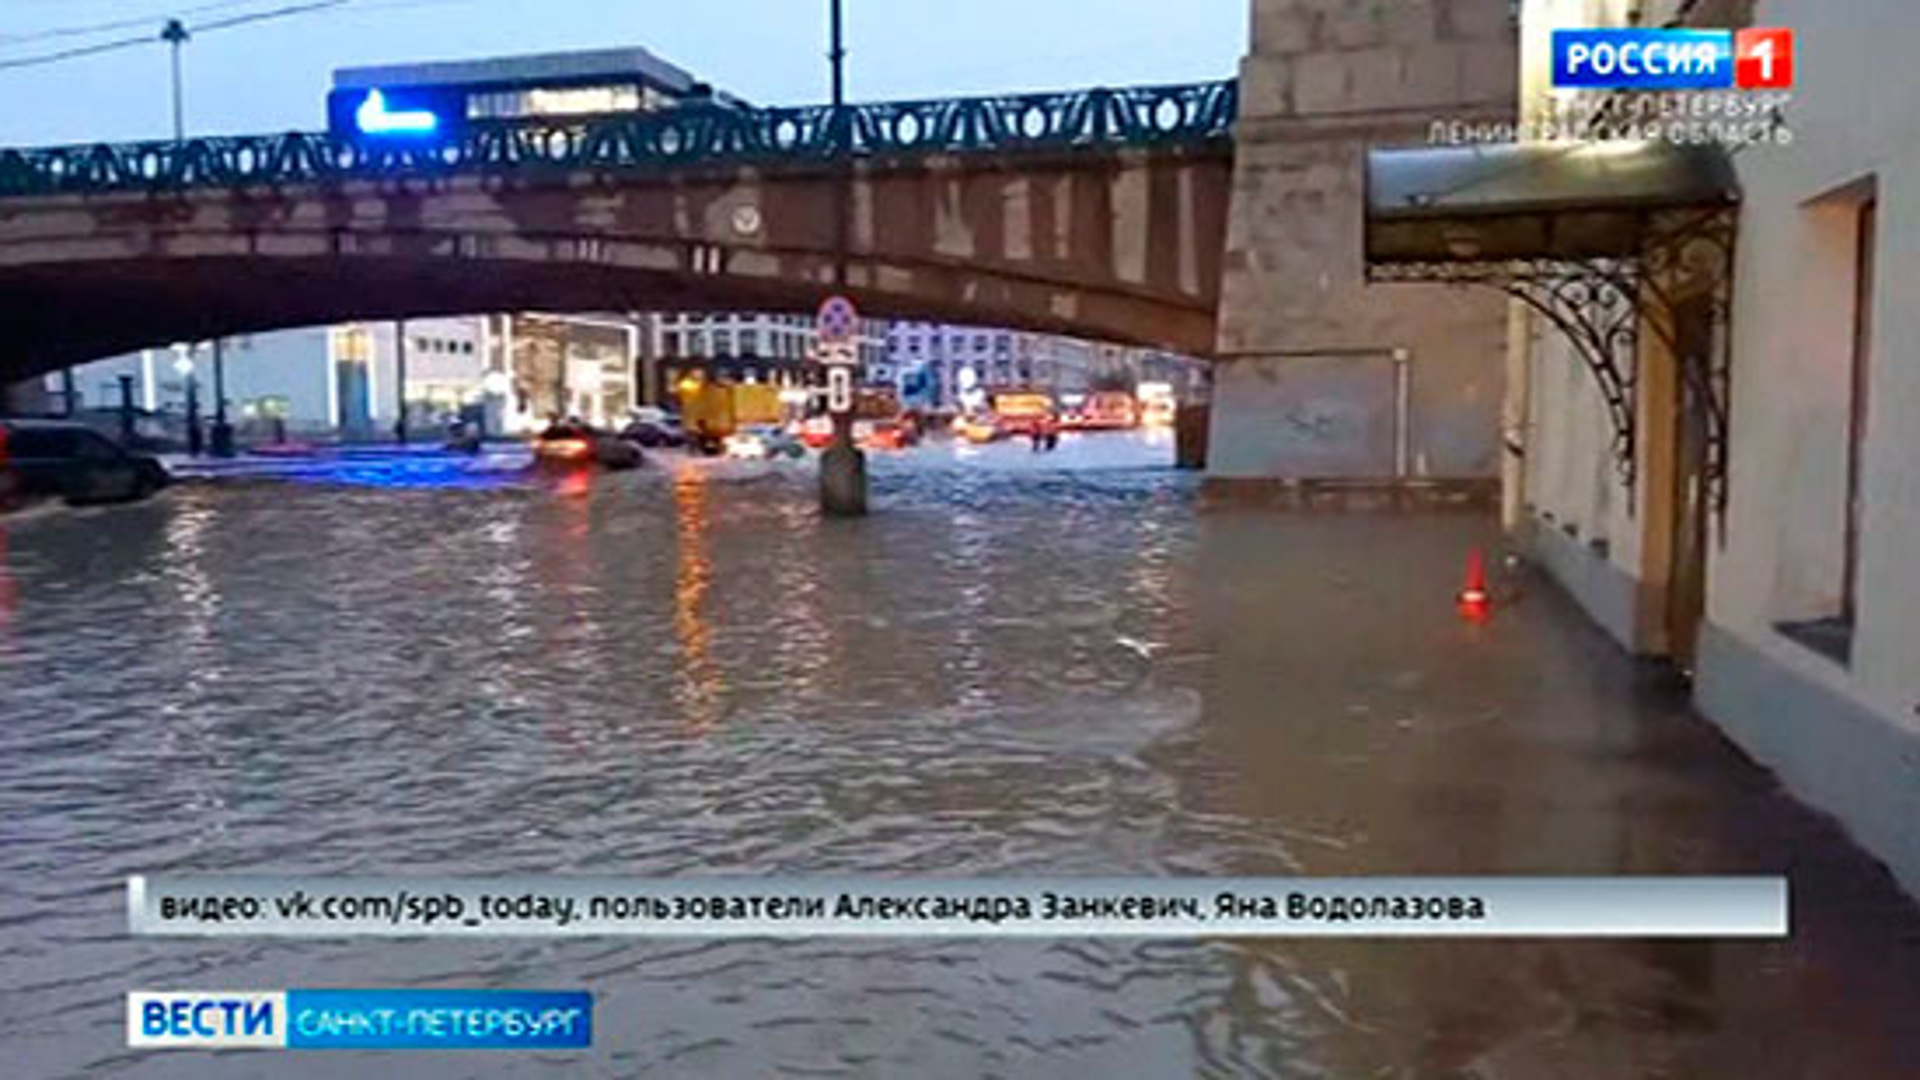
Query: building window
<point x="1858" y="412"/>
<point x="1818" y="596"/>
<point x="352" y="344"/>
<point x="583" y="100"/>
<point x="555" y="101"/>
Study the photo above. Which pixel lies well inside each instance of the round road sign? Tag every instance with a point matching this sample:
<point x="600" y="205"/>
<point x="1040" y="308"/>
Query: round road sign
<point x="838" y="320"/>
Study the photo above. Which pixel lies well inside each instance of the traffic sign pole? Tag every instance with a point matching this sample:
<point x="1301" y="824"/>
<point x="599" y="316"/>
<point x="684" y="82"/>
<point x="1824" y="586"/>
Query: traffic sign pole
<point x="839" y="390"/>
<point x="843" y="468"/>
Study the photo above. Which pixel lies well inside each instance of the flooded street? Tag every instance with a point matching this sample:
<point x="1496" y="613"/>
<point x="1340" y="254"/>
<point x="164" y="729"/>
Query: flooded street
<point x="1032" y="664"/>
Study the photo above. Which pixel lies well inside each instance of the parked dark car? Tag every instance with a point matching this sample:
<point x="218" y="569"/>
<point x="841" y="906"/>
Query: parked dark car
<point x="58" y="459"/>
<point x="572" y="445"/>
<point x="654" y="428"/>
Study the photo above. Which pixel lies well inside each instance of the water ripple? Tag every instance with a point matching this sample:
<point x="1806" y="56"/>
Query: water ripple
<point x="1023" y="671"/>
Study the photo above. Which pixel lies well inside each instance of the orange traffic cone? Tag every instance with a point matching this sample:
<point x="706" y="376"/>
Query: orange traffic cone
<point x="1473" y="600"/>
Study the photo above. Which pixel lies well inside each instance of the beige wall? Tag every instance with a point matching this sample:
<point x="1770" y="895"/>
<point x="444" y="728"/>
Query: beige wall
<point x="1843" y="734"/>
<point x="1855" y="126"/>
<point x="1304" y="384"/>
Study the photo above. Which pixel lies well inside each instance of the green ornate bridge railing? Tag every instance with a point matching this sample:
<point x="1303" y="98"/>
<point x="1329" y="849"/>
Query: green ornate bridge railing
<point x="687" y="135"/>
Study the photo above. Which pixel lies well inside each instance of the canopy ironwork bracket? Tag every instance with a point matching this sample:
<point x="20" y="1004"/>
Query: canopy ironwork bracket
<point x="1594" y="305"/>
<point x="1689" y="259"/>
<point x="1596" y="310"/>
<point x="1599" y="306"/>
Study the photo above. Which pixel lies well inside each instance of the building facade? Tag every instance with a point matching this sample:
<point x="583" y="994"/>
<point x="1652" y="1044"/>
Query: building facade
<point x="515" y="371"/>
<point x="1791" y="590"/>
<point x="552" y="85"/>
<point x="932" y="359"/>
<point x="776" y="348"/>
<point x="1809" y="648"/>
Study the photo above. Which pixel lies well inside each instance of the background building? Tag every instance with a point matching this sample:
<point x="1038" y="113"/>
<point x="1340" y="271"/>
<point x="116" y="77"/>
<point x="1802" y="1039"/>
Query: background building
<point x="345" y="380"/>
<point x="933" y="355"/>
<point x="746" y="347"/>
<point x="557" y="85"/>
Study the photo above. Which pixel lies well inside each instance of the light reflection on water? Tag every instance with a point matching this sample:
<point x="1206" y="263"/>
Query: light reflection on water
<point x="700" y="686"/>
<point x="1011" y="670"/>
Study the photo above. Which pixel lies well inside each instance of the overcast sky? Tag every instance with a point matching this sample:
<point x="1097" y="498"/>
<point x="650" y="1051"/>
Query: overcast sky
<point x="273" y="75"/>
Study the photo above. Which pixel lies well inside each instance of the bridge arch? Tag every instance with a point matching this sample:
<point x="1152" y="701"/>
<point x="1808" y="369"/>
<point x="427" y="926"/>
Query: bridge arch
<point x="1114" y="235"/>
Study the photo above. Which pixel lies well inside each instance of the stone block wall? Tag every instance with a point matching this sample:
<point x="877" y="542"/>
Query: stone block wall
<point x="1300" y="329"/>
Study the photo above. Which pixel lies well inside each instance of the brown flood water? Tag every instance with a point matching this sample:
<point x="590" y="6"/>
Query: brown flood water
<point x="1020" y="665"/>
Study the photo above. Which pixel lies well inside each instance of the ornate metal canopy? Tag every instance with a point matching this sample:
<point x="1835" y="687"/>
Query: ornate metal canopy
<point x="1600" y="238"/>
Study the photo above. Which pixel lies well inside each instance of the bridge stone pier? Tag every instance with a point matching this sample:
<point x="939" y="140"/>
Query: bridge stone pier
<point x="1319" y="377"/>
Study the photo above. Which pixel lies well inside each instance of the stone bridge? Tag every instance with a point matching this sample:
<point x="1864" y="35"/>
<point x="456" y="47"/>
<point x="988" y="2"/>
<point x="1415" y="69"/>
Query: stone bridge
<point x="1099" y="213"/>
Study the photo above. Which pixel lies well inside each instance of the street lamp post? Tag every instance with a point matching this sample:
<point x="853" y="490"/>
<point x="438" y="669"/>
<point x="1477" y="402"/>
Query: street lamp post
<point x="400" y="381"/>
<point x="126" y="410"/>
<point x="838" y="56"/>
<point x="220" y="436"/>
<point x="843" y="468"/>
<point x="183" y="365"/>
<point x="843" y="140"/>
<point x="175" y="33"/>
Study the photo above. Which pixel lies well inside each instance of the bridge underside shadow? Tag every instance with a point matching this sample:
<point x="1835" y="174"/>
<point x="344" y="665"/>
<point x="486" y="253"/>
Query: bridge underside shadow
<point x="60" y="315"/>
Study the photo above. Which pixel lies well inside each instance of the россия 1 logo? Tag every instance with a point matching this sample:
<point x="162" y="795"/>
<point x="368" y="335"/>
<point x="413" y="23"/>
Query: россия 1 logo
<point x="1632" y="59"/>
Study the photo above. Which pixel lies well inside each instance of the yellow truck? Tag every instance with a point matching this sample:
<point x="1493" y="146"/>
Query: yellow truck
<point x="711" y="411"/>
